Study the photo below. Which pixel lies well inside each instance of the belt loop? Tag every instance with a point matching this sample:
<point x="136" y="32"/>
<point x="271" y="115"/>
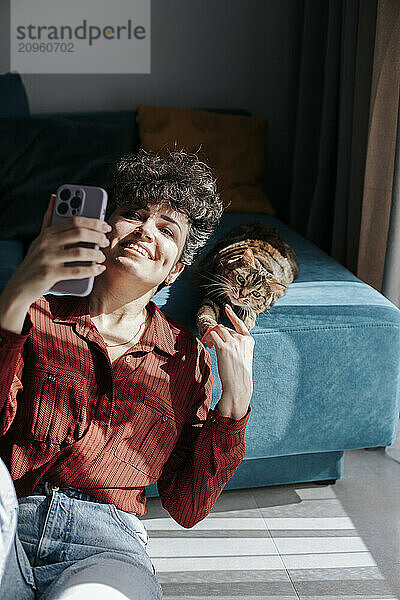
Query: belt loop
<point x="49" y="488"/>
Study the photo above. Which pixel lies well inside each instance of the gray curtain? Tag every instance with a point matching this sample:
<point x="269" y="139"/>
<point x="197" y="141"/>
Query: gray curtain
<point x="332" y="124"/>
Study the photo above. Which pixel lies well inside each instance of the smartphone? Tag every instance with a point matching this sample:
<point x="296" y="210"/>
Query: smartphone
<point x="84" y="201"/>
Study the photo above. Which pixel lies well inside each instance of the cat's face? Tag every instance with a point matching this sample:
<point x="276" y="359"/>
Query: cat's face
<point x="248" y="285"/>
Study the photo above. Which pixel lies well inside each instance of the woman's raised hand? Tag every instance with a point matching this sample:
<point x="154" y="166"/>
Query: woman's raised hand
<point x="234" y="348"/>
<point x="46" y="261"/>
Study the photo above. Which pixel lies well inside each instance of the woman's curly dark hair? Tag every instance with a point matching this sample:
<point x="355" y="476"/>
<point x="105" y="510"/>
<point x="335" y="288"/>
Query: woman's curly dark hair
<point x="180" y="179"/>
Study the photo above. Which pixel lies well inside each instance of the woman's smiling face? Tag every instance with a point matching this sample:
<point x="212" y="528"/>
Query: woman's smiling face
<point x="147" y="243"/>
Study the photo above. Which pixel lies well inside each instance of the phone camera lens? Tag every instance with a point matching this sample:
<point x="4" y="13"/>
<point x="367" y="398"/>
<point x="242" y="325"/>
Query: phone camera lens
<point x="76" y="202"/>
<point x="65" y="194"/>
<point x="62" y="208"/>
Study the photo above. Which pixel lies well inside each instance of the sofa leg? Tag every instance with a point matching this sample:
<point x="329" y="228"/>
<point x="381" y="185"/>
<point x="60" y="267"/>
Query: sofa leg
<point x="325" y="482"/>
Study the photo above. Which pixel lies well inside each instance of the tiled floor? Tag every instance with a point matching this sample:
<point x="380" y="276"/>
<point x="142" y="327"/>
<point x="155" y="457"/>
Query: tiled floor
<point x="287" y="542"/>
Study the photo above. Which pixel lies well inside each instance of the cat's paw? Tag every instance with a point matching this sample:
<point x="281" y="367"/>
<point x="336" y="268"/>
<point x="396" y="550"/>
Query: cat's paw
<point x="205" y="325"/>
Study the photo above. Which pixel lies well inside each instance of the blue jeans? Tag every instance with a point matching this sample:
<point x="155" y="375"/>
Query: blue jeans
<point x="63" y="544"/>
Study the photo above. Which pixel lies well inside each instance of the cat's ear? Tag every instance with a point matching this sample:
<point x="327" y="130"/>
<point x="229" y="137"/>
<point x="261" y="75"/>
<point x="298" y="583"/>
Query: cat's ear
<point x="248" y="257"/>
<point x="276" y="286"/>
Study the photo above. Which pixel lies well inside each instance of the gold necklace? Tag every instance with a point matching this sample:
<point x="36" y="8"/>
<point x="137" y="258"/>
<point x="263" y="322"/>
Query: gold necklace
<point x="124" y="343"/>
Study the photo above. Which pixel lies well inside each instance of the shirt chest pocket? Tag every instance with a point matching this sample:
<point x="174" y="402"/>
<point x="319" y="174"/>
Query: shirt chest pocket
<point x="54" y="405"/>
<point x="147" y="441"/>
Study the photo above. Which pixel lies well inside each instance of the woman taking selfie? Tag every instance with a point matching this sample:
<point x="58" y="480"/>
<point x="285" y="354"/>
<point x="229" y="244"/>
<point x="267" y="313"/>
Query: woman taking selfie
<point x="103" y="395"/>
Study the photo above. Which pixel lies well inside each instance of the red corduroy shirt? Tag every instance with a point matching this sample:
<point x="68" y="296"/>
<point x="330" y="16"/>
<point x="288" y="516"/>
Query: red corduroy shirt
<point x="72" y="417"/>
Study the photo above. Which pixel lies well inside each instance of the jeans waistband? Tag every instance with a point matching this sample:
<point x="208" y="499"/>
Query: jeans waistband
<point x="45" y="488"/>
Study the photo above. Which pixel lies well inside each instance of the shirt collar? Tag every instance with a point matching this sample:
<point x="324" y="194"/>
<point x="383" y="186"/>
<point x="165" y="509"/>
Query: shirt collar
<point x="158" y="333"/>
<point x="75" y="309"/>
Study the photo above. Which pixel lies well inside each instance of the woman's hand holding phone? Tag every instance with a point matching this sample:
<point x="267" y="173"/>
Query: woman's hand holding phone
<point x="46" y="263"/>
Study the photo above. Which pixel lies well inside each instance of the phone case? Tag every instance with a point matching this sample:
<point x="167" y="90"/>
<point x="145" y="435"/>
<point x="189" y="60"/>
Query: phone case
<point x="93" y="204"/>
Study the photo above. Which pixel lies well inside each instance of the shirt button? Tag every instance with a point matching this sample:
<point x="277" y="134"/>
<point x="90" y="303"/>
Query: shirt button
<point x="127" y="359"/>
<point x="164" y="417"/>
<point x="51" y="377"/>
<point x="212" y="419"/>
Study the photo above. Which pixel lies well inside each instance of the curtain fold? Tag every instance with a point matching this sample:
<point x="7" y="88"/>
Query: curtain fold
<point x="391" y="274"/>
<point x="332" y="123"/>
<point x="380" y="176"/>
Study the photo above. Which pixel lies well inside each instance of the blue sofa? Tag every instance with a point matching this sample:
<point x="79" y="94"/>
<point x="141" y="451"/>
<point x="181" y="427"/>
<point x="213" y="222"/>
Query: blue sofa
<point x="326" y="360"/>
<point x="326" y="368"/>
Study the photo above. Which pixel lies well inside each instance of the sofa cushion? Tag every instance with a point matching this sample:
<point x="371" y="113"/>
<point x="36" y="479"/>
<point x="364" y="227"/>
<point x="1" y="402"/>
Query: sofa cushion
<point x="13" y="98"/>
<point x="125" y="118"/>
<point x="233" y="145"/>
<point x="38" y="155"/>
<point x="328" y="348"/>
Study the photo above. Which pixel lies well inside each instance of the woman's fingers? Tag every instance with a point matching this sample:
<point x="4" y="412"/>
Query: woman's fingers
<point x="80" y="224"/>
<point x="48" y="214"/>
<point x="215" y="333"/>
<point x="238" y="324"/>
<point x="80" y="227"/>
<point x="214" y="338"/>
<point x="203" y="338"/>
<point x="220" y="332"/>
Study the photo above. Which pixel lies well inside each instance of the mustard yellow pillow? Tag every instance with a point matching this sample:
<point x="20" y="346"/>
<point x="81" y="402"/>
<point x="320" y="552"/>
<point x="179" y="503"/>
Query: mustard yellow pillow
<point x="233" y="145"/>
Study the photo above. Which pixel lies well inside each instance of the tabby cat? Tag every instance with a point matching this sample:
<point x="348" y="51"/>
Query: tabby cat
<point x="249" y="268"/>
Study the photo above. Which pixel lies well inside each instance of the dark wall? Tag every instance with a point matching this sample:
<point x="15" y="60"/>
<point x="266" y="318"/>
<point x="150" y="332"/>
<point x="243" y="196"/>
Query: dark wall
<point x="204" y="53"/>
